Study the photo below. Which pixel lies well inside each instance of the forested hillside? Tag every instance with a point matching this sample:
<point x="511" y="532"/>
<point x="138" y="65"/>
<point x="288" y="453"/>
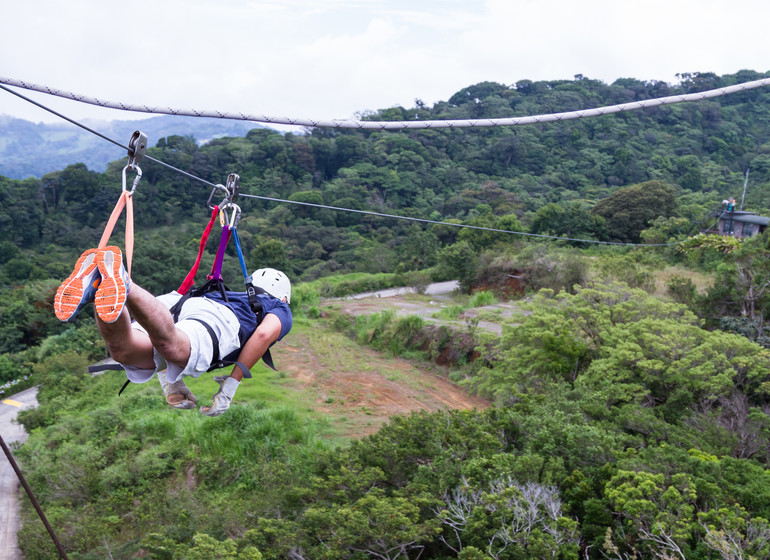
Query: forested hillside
<point x="30" y="149"/>
<point x="628" y="421"/>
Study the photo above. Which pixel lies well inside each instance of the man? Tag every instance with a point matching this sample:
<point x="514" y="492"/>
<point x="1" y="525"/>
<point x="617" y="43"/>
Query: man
<point x="183" y="345"/>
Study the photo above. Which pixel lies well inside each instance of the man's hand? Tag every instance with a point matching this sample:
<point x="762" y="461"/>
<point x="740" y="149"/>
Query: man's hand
<point x="223" y="397"/>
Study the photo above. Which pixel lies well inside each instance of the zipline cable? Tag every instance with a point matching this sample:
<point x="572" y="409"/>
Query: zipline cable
<point x="337" y="208"/>
<point x="396" y="125"/>
<point x="468" y="226"/>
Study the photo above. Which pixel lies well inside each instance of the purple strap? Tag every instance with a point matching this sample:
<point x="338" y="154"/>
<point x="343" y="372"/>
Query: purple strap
<point x="216" y="270"/>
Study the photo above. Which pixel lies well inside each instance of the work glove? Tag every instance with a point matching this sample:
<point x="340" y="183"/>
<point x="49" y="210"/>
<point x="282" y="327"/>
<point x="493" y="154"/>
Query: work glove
<point x="177" y="394"/>
<point x="223" y="397"/>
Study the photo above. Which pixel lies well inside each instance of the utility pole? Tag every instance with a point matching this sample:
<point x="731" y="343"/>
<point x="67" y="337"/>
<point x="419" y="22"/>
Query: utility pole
<point x="745" y="182"/>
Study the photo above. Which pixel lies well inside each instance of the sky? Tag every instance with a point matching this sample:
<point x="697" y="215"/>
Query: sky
<point x="336" y="59"/>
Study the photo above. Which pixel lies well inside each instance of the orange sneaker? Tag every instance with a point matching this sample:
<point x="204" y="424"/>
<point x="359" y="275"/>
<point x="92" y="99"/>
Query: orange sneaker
<point x="79" y="288"/>
<point x="110" y="297"/>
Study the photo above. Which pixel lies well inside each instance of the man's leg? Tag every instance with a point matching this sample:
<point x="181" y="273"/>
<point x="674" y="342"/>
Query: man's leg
<point x="170" y="342"/>
<point x="99" y="276"/>
<point x="133" y="347"/>
<point x="125" y="344"/>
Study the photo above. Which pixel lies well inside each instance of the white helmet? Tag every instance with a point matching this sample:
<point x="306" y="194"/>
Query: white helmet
<point x="274" y="282"/>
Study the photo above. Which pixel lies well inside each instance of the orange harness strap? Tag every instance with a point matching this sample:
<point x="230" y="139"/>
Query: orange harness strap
<point x="137" y="146"/>
<point x="125" y="200"/>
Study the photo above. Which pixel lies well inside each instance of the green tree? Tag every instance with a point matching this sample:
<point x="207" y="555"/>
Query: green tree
<point x="458" y="261"/>
<point x="203" y="547"/>
<point x="660" y="515"/>
<point x="743" y="284"/>
<point x="26" y="315"/>
<point x="481" y="239"/>
<point x="269" y="253"/>
<point x="418" y="250"/>
<point x="570" y="219"/>
<point x="375" y="525"/>
<point x="630" y="210"/>
<point x="623" y="342"/>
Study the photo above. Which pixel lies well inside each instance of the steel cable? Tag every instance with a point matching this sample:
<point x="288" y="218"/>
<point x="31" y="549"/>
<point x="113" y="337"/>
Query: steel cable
<point x="337" y="208"/>
<point x="395" y="125"/>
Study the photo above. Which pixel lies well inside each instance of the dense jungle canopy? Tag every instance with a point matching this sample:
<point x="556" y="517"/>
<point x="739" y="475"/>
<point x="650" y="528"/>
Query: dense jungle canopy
<point x="480" y="176"/>
<point x="622" y="423"/>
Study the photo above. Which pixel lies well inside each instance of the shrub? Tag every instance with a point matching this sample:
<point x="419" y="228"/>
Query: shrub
<point x="628" y="270"/>
<point x="304" y="300"/>
<point x="681" y="289"/>
<point x="554" y="269"/>
<point x="406" y="334"/>
<point x="451" y="313"/>
<point x="15" y="366"/>
<point x="482" y="298"/>
<point x="84" y="340"/>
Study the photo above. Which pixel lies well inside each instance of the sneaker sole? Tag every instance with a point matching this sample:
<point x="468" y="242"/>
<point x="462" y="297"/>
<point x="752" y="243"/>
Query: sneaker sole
<point x="111" y="295"/>
<point x="69" y="296"/>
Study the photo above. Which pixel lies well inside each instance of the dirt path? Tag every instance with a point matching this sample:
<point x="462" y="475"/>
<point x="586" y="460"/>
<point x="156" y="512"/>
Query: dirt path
<point x="361" y="393"/>
<point x="358" y="389"/>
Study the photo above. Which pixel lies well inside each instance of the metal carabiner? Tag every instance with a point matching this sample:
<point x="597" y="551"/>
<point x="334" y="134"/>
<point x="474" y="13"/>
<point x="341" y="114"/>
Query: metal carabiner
<point x="232" y="220"/>
<point x="211" y="196"/>
<point x="136" y="179"/>
<point x="236" y="216"/>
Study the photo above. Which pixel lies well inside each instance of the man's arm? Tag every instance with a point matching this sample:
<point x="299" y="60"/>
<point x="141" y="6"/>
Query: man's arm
<point x="266" y="334"/>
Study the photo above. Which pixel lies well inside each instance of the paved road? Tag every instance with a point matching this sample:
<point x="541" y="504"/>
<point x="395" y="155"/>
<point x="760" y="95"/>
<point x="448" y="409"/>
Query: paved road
<point x="368" y="303"/>
<point x="432" y="289"/>
<point x="9" y="483"/>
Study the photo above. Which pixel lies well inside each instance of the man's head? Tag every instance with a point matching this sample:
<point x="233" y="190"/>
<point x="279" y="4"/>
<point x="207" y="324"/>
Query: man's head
<point x="274" y="282"/>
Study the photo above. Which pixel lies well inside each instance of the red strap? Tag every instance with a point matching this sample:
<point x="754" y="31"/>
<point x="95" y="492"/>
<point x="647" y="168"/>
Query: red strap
<point x="190" y="279"/>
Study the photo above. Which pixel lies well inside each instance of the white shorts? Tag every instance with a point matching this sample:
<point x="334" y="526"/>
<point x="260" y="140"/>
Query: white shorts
<point x="222" y="321"/>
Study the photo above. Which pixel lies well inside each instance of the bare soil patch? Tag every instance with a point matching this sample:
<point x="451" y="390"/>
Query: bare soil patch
<point x="358" y="389"/>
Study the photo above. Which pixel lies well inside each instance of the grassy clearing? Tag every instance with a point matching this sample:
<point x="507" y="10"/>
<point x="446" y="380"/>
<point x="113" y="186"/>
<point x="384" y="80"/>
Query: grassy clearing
<point x="322" y="380"/>
<point x="276" y="389"/>
<point x="701" y="280"/>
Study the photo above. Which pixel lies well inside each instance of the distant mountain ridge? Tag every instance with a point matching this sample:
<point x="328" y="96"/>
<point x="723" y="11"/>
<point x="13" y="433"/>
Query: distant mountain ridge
<point x="30" y="149"/>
